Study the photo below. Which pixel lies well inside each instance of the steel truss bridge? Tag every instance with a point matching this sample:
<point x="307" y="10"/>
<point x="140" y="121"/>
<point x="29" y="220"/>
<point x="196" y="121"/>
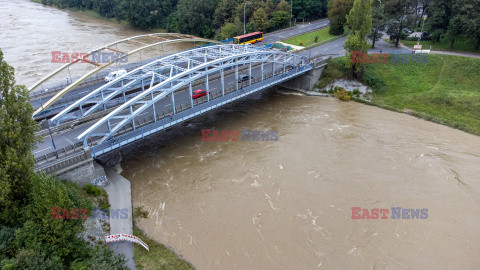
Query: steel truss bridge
<point x="158" y="95"/>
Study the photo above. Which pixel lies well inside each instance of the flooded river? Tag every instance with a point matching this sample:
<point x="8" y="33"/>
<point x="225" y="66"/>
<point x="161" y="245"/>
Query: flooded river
<point x="285" y="203"/>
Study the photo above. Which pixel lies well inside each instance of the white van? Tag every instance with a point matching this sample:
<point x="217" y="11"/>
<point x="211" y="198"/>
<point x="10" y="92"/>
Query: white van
<point x="115" y="74"/>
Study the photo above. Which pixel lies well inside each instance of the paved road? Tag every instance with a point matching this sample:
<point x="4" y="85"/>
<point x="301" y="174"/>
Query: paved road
<point x="294" y="31"/>
<point x="165" y="105"/>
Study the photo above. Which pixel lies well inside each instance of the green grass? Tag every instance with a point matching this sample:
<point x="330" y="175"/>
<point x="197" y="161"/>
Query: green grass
<point x="445" y="90"/>
<point x="304" y="39"/>
<point x="442" y="45"/>
<point x="159" y="257"/>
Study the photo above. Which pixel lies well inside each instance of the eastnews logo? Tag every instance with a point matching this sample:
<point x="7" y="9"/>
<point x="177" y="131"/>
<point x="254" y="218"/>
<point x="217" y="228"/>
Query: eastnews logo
<point x="395" y="58"/>
<point x="97" y="57"/>
<point x="209" y="135"/>
<point x="382" y="213"/>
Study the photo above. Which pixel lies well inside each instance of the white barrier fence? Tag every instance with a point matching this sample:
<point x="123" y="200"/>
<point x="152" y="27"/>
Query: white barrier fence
<point x="125" y="237"/>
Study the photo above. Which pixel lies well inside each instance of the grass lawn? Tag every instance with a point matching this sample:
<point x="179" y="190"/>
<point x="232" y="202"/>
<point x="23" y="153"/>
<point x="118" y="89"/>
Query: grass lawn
<point x="442" y="45"/>
<point x="445" y="90"/>
<point x="304" y="40"/>
<point x="159" y="257"/>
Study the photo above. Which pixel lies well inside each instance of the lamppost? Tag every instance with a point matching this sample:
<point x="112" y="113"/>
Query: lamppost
<point x="48" y="125"/>
<point x="244" y="29"/>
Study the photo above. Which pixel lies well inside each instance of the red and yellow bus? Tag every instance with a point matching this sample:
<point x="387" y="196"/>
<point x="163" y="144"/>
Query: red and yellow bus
<point x="248" y="38"/>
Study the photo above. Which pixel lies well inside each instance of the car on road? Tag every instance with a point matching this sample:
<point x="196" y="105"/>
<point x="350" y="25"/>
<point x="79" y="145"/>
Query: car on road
<point x="200" y="93"/>
<point x="244" y="78"/>
<point x="115" y="74"/>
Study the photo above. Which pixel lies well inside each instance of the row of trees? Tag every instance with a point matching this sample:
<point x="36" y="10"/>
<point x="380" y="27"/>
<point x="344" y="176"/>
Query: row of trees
<point x="444" y="19"/>
<point x="29" y="237"/>
<point x="206" y="18"/>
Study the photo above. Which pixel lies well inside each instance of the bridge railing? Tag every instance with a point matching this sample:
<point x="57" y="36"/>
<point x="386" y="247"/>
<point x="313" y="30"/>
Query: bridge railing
<point x="66" y="162"/>
<point x="62" y="152"/>
<point x="149" y="127"/>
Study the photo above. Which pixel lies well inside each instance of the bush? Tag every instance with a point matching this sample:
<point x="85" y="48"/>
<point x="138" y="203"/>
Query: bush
<point x="342" y="94"/>
<point x="300" y="43"/>
<point x="356" y="92"/>
<point x="93" y="190"/>
<point x="316" y="39"/>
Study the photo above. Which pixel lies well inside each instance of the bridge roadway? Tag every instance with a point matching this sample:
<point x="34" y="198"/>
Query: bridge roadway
<point x="80" y="91"/>
<point x="68" y="137"/>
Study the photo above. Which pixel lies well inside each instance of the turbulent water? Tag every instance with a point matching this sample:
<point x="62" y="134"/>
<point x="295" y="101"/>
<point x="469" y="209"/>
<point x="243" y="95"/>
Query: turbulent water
<point x="285" y="203"/>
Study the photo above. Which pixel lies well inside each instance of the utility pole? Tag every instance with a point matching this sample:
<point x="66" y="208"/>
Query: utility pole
<point x="244" y="29"/>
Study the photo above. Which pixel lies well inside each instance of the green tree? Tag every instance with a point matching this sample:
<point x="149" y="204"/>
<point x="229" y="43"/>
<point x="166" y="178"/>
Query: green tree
<point x="439" y="14"/>
<point x="401" y="16"/>
<point x="279" y="19"/>
<point x="260" y="18"/>
<point x="378" y="23"/>
<point x="337" y="14"/>
<point x="359" y="22"/>
<point x="196" y="17"/>
<point x="228" y="30"/>
<point x="17" y="139"/>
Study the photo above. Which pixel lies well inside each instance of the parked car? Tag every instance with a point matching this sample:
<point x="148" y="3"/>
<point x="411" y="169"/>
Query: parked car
<point x="115" y="74"/>
<point x="244" y="78"/>
<point x="199" y="93"/>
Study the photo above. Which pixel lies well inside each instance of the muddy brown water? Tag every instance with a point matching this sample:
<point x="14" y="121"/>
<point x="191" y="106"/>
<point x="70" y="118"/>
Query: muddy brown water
<point x="286" y="204"/>
<point x="283" y="204"/>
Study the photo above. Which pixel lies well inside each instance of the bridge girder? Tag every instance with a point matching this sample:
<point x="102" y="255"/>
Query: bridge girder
<point x="179" y="38"/>
<point x="191" y="65"/>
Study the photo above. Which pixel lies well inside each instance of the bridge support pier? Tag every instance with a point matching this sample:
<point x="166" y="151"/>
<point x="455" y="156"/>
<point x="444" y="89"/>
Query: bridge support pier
<point x="307" y="81"/>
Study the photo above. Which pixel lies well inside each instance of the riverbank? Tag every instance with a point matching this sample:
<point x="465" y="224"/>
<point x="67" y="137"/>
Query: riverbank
<point x="443" y="90"/>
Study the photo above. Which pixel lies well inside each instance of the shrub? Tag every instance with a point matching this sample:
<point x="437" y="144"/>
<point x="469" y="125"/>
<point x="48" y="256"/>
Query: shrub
<point x="316" y="39"/>
<point x="342" y="94"/>
<point x="356" y="92"/>
<point x="93" y="190"/>
<point x="300" y="43"/>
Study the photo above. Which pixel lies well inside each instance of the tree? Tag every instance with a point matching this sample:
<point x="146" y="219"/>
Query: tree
<point x="378" y="23"/>
<point x="337" y="12"/>
<point x="401" y="16"/>
<point x="472" y="29"/>
<point x="228" y="30"/>
<point x="359" y="22"/>
<point x="260" y="18"/>
<point x="439" y="13"/>
<point x="196" y="17"/>
<point x="279" y="20"/>
<point x="224" y="12"/>
<point x="17" y="139"/>
<point x="458" y="24"/>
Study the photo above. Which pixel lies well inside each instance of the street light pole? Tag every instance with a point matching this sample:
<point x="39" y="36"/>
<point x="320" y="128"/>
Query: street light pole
<point x="244" y="29"/>
<point x="48" y="125"/>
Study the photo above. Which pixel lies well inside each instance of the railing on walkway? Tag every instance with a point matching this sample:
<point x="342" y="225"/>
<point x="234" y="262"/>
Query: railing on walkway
<point x="65" y="162"/>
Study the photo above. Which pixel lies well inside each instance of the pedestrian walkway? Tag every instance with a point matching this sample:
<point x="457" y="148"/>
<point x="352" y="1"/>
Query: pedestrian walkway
<point x="120" y="197"/>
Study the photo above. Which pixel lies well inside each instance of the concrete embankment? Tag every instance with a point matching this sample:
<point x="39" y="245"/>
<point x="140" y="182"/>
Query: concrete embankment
<point x="120" y="197"/>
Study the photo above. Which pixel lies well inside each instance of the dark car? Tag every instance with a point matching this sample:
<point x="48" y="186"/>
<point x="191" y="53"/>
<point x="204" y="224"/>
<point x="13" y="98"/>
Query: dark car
<point x="244" y="78"/>
<point x="199" y="93"/>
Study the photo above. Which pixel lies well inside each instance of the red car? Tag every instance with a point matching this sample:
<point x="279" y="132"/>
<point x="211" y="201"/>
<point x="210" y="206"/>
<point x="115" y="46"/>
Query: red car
<point x="199" y="93"/>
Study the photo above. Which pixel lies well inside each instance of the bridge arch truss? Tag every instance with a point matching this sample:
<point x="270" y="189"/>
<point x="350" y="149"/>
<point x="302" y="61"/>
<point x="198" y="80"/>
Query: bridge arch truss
<point x="162" y="78"/>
